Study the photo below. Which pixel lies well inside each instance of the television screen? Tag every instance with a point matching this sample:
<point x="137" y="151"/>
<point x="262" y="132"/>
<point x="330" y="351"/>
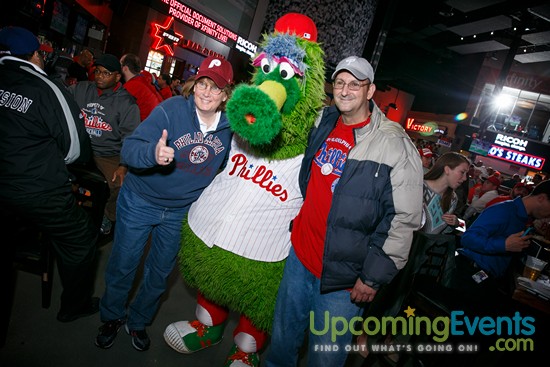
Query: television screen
<point x="80" y="29"/>
<point x="480" y="147"/>
<point x="60" y="17"/>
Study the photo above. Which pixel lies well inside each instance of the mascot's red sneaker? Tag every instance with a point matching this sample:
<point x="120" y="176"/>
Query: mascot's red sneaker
<point x="191" y="336"/>
<point x="238" y="358"/>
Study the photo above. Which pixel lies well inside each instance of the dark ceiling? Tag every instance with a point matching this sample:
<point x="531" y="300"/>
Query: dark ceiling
<point x="435" y="49"/>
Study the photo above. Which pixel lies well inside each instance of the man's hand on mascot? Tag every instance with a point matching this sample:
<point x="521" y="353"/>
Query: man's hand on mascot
<point x="362" y="292"/>
<point x="164" y="155"/>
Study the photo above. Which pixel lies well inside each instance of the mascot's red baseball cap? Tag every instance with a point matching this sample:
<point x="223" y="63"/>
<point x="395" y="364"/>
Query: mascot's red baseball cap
<point x="299" y="24"/>
<point x="217" y="69"/>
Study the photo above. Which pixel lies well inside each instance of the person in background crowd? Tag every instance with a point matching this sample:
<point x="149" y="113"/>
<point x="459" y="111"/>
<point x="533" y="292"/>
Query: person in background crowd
<point x="475" y="182"/>
<point x="175" y="86"/>
<point x="515" y="179"/>
<point x="78" y="69"/>
<point x="337" y="265"/>
<point x="464" y="188"/>
<point x="439" y="199"/>
<point x="111" y="114"/>
<point x="480" y="166"/>
<point x="167" y="174"/>
<point x="40" y="132"/>
<point x="482" y="195"/>
<point x="427" y="157"/>
<point x="164" y="82"/>
<point x="537" y="178"/>
<point x="138" y="86"/>
<point x="519" y="190"/>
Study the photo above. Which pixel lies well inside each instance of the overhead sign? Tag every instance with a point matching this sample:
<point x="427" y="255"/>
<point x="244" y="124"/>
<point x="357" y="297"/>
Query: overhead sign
<point x="199" y="21"/>
<point x="516" y="157"/>
<point x="165" y="37"/>
<point x="204" y="24"/>
<point x="425" y="128"/>
<point x="511" y="142"/>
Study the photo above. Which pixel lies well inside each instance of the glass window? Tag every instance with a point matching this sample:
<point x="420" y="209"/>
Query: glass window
<point x="154" y="62"/>
<point x="514" y="111"/>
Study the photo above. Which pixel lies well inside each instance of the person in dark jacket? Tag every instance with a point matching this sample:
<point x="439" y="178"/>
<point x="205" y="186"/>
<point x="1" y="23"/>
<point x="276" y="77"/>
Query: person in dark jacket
<point x="361" y="178"/>
<point x="41" y="132"/>
<point x="110" y="114"/>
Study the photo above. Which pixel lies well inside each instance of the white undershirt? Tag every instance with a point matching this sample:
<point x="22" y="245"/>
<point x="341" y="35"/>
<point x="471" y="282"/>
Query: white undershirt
<point x="212" y="127"/>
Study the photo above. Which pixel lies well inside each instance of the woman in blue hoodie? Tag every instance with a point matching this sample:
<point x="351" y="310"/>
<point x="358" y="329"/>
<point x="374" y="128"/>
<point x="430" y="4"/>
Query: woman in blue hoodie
<point x="172" y="156"/>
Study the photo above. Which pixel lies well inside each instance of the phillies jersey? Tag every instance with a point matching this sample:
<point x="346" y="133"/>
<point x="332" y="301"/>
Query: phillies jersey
<point x="248" y="207"/>
<point x="310" y="226"/>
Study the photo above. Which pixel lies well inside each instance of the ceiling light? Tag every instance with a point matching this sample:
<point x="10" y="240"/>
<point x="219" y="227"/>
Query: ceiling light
<point x="446" y="13"/>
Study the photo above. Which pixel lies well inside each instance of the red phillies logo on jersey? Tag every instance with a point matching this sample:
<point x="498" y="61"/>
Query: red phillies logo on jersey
<point x="261" y="176"/>
<point x="95" y="122"/>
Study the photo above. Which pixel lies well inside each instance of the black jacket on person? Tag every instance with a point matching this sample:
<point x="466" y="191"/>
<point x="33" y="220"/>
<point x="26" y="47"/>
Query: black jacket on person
<point x="41" y="130"/>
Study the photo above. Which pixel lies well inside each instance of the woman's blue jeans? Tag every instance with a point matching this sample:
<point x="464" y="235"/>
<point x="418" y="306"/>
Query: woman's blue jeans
<point x="299" y="301"/>
<point x="137" y="219"/>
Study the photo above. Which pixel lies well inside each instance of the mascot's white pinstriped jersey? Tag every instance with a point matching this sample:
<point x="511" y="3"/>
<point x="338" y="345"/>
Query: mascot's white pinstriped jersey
<point x="255" y="223"/>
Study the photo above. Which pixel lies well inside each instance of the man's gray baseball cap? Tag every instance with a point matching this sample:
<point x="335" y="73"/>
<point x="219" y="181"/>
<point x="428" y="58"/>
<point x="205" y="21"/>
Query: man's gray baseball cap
<point x="358" y="66"/>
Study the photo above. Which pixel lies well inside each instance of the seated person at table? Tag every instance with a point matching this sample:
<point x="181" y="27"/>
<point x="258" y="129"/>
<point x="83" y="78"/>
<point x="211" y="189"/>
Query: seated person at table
<point x="491" y="242"/>
<point x="519" y="190"/>
<point x="482" y="195"/>
<point x="480" y="282"/>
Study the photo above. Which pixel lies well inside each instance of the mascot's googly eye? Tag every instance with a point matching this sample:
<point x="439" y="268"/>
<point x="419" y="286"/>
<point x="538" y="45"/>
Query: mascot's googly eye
<point x="268" y="66"/>
<point x="286" y="70"/>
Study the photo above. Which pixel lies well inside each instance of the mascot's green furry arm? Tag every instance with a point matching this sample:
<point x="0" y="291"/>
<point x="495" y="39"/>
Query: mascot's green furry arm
<point x="237" y="235"/>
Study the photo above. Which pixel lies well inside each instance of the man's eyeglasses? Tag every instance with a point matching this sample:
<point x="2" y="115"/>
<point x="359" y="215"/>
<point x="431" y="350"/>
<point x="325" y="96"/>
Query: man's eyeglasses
<point x="353" y="85"/>
<point x="213" y="88"/>
<point x="104" y="73"/>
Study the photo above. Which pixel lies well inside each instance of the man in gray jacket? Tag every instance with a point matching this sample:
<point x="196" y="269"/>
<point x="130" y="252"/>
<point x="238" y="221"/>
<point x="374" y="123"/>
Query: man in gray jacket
<point x="361" y="179"/>
<point x="110" y="114"/>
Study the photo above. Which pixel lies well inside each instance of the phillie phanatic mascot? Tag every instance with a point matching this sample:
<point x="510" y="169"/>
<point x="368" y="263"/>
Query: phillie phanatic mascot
<point x="237" y="237"/>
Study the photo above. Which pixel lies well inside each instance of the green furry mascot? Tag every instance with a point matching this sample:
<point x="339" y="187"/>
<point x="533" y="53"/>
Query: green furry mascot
<point x="236" y="237"/>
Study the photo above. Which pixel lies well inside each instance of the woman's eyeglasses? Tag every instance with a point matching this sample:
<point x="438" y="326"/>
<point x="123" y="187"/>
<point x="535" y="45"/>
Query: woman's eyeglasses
<point x="213" y="88"/>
